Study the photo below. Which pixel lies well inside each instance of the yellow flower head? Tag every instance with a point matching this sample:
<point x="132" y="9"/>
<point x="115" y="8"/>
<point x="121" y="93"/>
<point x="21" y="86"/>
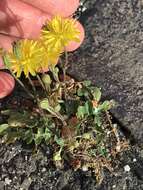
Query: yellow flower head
<point x="27" y="57"/>
<point x="59" y="32"/>
<point x="50" y="58"/>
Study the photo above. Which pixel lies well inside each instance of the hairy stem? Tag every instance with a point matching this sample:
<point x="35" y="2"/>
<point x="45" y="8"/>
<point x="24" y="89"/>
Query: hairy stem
<point x="22" y="85"/>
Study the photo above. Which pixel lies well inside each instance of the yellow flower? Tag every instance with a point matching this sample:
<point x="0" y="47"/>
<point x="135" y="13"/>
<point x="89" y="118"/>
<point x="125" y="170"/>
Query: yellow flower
<point x="59" y="32"/>
<point x="26" y="57"/>
<point x="50" y="58"/>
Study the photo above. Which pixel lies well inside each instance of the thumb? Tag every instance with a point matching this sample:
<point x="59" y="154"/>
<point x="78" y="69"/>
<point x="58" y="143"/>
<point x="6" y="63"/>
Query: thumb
<point x="7" y="84"/>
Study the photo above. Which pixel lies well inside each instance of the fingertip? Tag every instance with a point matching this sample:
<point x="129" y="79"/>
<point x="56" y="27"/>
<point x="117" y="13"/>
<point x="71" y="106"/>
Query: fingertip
<point x="75" y="45"/>
<point x="7" y="84"/>
<point x="1" y="63"/>
<point x="6" y="41"/>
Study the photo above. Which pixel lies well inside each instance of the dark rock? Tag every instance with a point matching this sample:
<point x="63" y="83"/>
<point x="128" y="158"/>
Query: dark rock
<point x="112" y="57"/>
<point x="139" y="172"/>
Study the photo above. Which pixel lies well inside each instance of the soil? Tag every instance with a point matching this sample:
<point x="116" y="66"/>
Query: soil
<point x="22" y="169"/>
<point x="112" y="57"/>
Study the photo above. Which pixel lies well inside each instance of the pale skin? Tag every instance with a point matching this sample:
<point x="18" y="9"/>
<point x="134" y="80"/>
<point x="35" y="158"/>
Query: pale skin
<point x="24" y="19"/>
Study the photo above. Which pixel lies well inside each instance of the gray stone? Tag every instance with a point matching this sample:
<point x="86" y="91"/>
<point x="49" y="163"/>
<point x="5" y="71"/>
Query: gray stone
<point x="1" y="185"/>
<point x="112" y="57"/>
<point x="26" y="184"/>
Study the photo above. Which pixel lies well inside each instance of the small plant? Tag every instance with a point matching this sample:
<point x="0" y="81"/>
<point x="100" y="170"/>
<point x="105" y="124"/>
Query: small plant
<point x="66" y="114"/>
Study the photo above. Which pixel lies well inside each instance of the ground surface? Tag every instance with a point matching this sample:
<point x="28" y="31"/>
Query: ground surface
<point x="111" y="57"/>
<point x="22" y="170"/>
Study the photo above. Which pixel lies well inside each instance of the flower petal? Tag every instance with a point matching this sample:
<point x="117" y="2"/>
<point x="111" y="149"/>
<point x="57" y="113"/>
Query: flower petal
<point x="75" y="45"/>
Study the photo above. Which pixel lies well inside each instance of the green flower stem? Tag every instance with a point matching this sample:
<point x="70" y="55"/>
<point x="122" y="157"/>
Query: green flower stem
<point x="65" y="66"/>
<point x="42" y="84"/>
<point x="22" y="85"/>
<point x="52" y="69"/>
<point x="33" y="87"/>
<point x="57" y="115"/>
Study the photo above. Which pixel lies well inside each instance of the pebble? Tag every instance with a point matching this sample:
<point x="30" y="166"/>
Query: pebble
<point x="7" y="181"/>
<point x="127" y="168"/>
<point x="118" y="148"/>
<point x="114" y="186"/>
<point x="134" y="160"/>
<point x="84" y="168"/>
<point x="44" y="170"/>
<point x="141" y="153"/>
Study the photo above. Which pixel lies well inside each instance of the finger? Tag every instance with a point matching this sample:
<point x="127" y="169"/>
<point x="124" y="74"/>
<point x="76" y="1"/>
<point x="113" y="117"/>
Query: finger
<point x="1" y="64"/>
<point x="55" y="7"/>
<point x="5" y="41"/>
<point x="74" y="45"/>
<point x="21" y="20"/>
<point x="7" y="84"/>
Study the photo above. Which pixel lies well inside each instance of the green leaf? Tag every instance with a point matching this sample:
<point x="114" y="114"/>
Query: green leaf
<point x="93" y="152"/>
<point x="55" y="72"/>
<point x="97" y="94"/>
<point x="16" y="50"/>
<point x="80" y="92"/>
<point x="95" y="111"/>
<point x="87" y="83"/>
<point x="47" y="135"/>
<point x="3" y="127"/>
<point x="39" y="136"/>
<point x="44" y="104"/>
<point x="97" y="120"/>
<point x="84" y="110"/>
<point x="6" y="61"/>
<point x="46" y="79"/>
<point x="81" y="112"/>
<point x="57" y="156"/>
<point x="83" y="92"/>
<point x="57" y="108"/>
<point x="51" y="125"/>
<point x="20" y="119"/>
<point x="88" y="107"/>
<point x="103" y="151"/>
<point x="59" y="141"/>
<point x="105" y="106"/>
<point x="28" y="136"/>
<point x="13" y="135"/>
<point x="86" y="135"/>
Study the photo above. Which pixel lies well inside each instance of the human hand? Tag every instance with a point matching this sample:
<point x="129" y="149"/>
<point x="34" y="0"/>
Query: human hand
<point x="24" y="19"/>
